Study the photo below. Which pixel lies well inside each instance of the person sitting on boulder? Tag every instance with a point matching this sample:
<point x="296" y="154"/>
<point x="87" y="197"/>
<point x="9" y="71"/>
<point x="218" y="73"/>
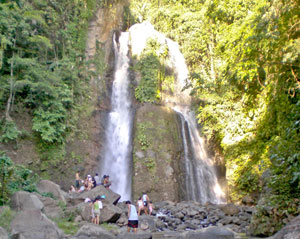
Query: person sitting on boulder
<point x="133" y="220"/>
<point x="72" y="189"/>
<point x="97" y="179"/>
<point x="82" y="187"/>
<point x="106" y="182"/>
<point x="102" y="179"/>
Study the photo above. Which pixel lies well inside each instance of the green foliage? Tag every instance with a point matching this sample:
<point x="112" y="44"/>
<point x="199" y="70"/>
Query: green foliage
<point x="42" y="49"/>
<point x="273" y="213"/>
<point x="152" y="69"/>
<point x="14" y="178"/>
<point x="9" y="131"/>
<point x="141" y="136"/>
<point x="49" y="195"/>
<point x="109" y="226"/>
<point x="244" y="66"/>
<point x="147" y="88"/>
<point x="150" y="164"/>
<point x="68" y="227"/>
<point x="6" y="217"/>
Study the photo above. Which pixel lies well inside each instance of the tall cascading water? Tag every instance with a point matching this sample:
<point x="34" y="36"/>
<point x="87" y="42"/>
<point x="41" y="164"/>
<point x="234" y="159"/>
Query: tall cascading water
<point x="200" y="176"/>
<point x="118" y="148"/>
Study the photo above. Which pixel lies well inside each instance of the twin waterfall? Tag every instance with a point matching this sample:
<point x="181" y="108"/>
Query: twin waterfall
<point x="201" y="181"/>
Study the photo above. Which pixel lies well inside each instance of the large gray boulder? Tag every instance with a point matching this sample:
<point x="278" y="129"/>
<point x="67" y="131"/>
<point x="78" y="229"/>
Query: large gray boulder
<point x="169" y="235"/>
<point x="3" y="234"/>
<point x="211" y="232"/>
<point x="230" y="209"/>
<point x="92" y="231"/>
<point x="24" y="200"/>
<point x="290" y="231"/>
<point x="85" y="210"/>
<point x="52" y="209"/>
<point x="46" y="186"/>
<point x="147" y="223"/>
<point x="110" y="196"/>
<point x="33" y="224"/>
<point x="138" y="235"/>
<point x="109" y="213"/>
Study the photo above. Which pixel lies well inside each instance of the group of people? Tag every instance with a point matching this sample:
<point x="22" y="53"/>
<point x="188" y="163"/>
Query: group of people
<point x="89" y="182"/>
<point x="144" y="204"/>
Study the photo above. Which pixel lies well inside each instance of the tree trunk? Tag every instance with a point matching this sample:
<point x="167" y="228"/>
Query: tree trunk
<point x="9" y="101"/>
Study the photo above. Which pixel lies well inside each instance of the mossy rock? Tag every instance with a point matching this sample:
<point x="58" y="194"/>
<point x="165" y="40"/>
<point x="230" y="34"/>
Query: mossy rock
<point x="157" y="153"/>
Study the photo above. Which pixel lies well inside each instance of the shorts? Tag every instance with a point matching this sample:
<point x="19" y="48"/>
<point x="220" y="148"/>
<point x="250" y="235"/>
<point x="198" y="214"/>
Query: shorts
<point x="77" y="184"/>
<point x="97" y="212"/>
<point x="145" y="203"/>
<point x="133" y="223"/>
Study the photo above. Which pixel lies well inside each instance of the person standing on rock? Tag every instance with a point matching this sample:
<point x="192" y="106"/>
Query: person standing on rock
<point x="133" y="220"/>
<point x="97" y="206"/>
<point x="140" y="205"/>
<point x="146" y="202"/>
<point x="77" y="180"/>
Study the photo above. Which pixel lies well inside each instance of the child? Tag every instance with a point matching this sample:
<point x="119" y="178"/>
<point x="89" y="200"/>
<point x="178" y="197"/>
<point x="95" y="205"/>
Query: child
<point x="150" y="207"/>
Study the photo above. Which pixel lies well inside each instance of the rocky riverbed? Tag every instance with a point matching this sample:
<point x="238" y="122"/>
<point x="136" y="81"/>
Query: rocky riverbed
<point x="36" y="213"/>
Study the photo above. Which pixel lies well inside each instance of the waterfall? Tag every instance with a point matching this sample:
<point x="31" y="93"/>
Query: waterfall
<point x="118" y="148"/>
<point x="200" y="176"/>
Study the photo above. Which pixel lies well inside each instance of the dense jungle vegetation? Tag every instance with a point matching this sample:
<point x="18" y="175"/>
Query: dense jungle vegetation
<point x="43" y="73"/>
<point x="243" y="57"/>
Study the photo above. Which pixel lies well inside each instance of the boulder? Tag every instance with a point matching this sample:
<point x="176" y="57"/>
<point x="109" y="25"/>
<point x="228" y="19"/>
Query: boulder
<point x="247" y="200"/>
<point x="46" y="186"/>
<point x="290" y="231"/>
<point x="3" y="234"/>
<point x="24" y="200"/>
<point x="85" y="210"/>
<point x="230" y="209"/>
<point x="110" y="196"/>
<point x="92" y="231"/>
<point x="138" y="235"/>
<point x="122" y="221"/>
<point x="147" y="223"/>
<point x="110" y="213"/>
<point x="51" y="207"/>
<point x="33" y="224"/>
<point x="211" y="232"/>
<point x="169" y="235"/>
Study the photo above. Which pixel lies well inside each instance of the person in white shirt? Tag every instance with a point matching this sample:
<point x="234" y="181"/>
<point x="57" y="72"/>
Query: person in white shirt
<point x="133" y="220"/>
<point x="97" y="179"/>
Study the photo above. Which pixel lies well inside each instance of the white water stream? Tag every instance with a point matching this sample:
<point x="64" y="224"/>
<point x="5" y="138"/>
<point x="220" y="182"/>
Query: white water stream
<point x="118" y="148"/>
<point x="200" y="176"/>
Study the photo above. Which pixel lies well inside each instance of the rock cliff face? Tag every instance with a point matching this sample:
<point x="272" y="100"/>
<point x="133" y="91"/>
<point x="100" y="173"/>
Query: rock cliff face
<point x="157" y="153"/>
<point x="84" y="142"/>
